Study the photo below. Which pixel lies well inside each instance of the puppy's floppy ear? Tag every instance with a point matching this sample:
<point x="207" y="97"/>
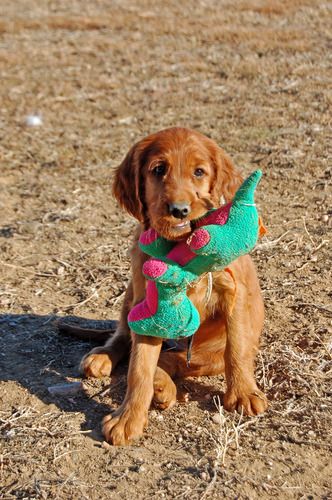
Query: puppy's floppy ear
<point x="128" y="184"/>
<point x="227" y="178"/>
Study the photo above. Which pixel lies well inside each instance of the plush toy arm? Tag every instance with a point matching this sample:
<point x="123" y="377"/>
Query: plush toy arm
<point x="208" y="240"/>
<point x="154" y="245"/>
<point x="237" y="234"/>
<point x="169" y="274"/>
<point x="225" y="243"/>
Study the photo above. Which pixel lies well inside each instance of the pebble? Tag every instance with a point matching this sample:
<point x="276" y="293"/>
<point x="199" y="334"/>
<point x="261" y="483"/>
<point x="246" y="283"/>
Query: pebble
<point x="33" y="121"/>
<point x="10" y="434"/>
<point x="217" y="419"/>
<point x="105" y="445"/>
<point x="204" y="476"/>
<point x="325" y="218"/>
<point x="126" y="120"/>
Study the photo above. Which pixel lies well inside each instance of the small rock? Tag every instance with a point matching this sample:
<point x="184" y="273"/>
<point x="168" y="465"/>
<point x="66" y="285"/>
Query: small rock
<point x="33" y="121"/>
<point x="10" y="434"/>
<point x="126" y="120"/>
<point x="105" y="445"/>
<point x="216" y="418"/>
<point x="203" y="475"/>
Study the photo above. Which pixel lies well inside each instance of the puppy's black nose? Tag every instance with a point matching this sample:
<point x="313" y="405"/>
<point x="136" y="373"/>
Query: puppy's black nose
<point x="179" y="210"/>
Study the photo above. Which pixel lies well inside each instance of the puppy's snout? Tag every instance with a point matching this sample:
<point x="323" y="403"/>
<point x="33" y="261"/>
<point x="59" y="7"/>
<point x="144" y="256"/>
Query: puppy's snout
<point x="180" y="210"/>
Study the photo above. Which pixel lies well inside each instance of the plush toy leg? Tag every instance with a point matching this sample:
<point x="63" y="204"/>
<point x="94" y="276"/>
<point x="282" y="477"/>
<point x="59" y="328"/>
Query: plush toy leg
<point x="166" y="310"/>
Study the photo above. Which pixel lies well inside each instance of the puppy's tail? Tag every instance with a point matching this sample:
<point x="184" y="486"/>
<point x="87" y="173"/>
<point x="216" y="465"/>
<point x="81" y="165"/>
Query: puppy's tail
<point x="87" y="334"/>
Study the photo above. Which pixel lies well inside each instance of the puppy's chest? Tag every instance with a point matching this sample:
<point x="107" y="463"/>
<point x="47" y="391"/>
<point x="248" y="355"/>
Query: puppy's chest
<point x="205" y="294"/>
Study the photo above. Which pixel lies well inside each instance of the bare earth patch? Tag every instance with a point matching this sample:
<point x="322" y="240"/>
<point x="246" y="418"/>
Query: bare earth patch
<point x="255" y="76"/>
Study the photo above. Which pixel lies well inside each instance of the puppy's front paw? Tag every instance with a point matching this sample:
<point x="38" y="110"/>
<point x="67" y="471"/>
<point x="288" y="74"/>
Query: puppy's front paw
<point x="124" y="426"/>
<point x="97" y="363"/>
<point x="249" y="401"/>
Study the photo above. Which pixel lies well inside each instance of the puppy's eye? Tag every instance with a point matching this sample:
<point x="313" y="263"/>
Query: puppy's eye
<point x="159" y="170"/>
<point x="199" y="172"/>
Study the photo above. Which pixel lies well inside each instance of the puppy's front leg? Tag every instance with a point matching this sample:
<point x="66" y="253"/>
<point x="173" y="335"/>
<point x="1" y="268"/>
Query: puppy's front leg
<point x="244" y="325"/>
<point x="128" y="421"/>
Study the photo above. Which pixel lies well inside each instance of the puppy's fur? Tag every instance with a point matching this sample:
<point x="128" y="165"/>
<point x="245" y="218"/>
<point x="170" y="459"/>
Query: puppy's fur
<point x="180" y="166"/>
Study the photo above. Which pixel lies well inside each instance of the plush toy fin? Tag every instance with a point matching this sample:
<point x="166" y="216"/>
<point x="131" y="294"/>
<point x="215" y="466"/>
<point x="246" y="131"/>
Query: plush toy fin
<point x="262" y="229"/>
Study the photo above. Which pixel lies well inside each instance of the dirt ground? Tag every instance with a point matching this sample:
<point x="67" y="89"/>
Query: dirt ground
<point x="252" y="74"/>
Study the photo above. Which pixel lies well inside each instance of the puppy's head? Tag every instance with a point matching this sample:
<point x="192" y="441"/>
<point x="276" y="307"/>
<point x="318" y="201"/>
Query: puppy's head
<point x="173" y="177"/>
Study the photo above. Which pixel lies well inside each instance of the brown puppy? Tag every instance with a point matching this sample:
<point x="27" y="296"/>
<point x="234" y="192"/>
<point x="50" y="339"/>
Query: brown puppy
<point x="166" y="181"/>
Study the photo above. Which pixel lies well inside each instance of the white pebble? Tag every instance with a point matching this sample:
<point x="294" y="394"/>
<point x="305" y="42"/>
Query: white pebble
<point x="33" y="121"/>
<point x="216" y="418"/>
<point x="105" y="445"/>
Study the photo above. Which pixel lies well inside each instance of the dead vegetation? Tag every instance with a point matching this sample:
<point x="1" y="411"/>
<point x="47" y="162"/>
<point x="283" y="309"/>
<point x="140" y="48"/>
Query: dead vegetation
<point x="254" y="75"/>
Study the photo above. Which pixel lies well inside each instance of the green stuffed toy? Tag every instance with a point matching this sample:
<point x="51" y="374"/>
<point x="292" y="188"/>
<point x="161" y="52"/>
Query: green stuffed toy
<point x="222" y="236"/>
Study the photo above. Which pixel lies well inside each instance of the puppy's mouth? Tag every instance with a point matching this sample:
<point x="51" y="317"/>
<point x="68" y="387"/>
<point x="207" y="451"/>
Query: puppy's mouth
<point x="174" y="229"/>
<point x="182" y="226"/>
<point x="179" y="230"/>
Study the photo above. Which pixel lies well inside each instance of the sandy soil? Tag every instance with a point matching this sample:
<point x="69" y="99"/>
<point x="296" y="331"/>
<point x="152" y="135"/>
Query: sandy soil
<point x="252" y="74"/>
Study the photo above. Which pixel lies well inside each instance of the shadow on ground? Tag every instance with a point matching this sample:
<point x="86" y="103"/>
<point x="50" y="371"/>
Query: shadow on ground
<point x="38" y="357"/>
